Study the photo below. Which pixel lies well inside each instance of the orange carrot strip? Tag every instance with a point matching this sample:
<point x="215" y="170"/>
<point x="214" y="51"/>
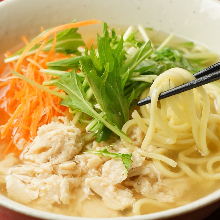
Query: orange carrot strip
<point x="45" y="35"/>
<point x="25" y="40"/>
<point x="10" y="121"/>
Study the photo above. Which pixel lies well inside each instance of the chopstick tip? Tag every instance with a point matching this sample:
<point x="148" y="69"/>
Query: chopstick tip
<point x="144" y="101"/>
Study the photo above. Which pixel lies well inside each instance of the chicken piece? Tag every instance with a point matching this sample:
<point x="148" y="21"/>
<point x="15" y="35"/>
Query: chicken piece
<point x="147" y="169"/>
<point x="32" y="170"/>
<point x="170" y="190"/>
<point x="18" y="190"/>
<point x="46" y="174"/>
<point x="9" y="161"/>
<point x="121" y="147"/>
<point x="55" y="189"/>
<point x="114" y="171"/>
<point x="163" y="191"/>
<point x="143" y="186"/>
<point x="137" y="158"/>
<point x="52" y="189"/>
<point x="113" y="197"/>
<point x="136" y="135"/>
<point x="68" y="168"/>
<point x="41" y="182"/>
<point x="88" y="161"/>
<point x="55" y="142"/>
<point x="106" y="186"/>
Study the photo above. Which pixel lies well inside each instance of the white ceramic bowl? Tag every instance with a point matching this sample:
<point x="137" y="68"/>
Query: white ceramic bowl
<point x="198" y="20"/>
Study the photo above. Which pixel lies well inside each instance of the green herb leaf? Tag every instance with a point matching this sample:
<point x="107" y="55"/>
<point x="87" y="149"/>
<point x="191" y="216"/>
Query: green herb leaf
<point x="67" y="41"/>
<point x="126" y="158"/>
<point x="169" y="58"/>
<point x="142" y="53"/>
<point x="76" y="99"/>
<point x="64" y="64"/>
<point x="101" y="132"/>
<point x="108" y="82"/>
<point x="109" y="71"/>
<point x="165" y="59"/>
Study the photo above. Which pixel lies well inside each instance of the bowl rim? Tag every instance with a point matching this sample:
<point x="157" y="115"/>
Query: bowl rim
<point x="200" y="203"/>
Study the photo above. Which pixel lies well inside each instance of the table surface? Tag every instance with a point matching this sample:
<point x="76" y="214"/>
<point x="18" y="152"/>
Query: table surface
<point x="215" y="215"/>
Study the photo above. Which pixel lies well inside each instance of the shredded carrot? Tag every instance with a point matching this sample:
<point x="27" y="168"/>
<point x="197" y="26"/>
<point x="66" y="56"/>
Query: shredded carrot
<point x="45" y="35"/>
<point x="26" y="107"/>
<point x="90" y="43"/>
<point x="25" y="40"/>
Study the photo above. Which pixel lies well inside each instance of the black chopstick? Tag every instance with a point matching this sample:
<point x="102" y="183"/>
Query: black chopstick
<point x="208" y="70"/>
<point x="210" y="74"/>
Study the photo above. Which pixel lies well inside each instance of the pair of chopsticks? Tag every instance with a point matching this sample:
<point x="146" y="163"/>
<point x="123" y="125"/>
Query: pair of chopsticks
<point x="210" y="74"/>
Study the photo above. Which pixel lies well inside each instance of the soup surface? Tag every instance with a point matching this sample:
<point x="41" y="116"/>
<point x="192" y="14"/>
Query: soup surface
<point x="73" y="140"/>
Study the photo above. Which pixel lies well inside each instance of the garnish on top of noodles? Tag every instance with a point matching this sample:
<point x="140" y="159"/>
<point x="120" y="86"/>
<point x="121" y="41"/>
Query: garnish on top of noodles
<point x="99" y="85"/>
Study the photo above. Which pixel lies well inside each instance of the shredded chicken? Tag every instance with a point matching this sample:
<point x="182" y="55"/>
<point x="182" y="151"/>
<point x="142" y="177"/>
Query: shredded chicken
<point x="162" y="191"/>
<point x="113" y="197"/>
<point x="55" y="142"/>
<point x="147" y="168"/>
<point x="8" y="162"/>
<point x="38" y="181"/>
<point x="137" y="135"/>
<point x="88" y="161"/>
<point x="51" y="172"/>
<point x="68" y="168"/>
<point x="137" y="158"/>
<point x="46" y="170"/>
<point x="19" y="191"/>
<point x="114" y="172"/>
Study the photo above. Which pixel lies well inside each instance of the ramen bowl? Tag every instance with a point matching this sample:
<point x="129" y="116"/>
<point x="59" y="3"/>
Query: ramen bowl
<point x="191" y="19"/>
